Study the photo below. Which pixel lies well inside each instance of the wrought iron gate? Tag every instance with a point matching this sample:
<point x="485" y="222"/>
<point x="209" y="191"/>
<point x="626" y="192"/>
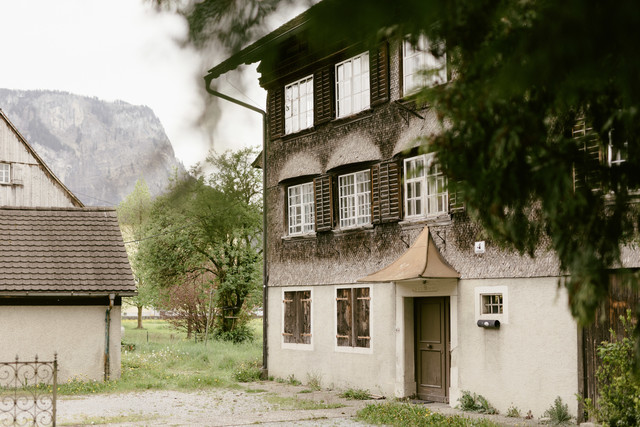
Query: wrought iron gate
<point x="28" y="392"/>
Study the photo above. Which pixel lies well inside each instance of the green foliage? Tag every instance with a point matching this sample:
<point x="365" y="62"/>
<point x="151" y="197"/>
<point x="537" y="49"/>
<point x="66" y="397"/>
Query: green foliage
<point x="239" y="334"/>
<point x="618" y="384"/>
<point x="80" y="385"/>
<point x="558" y="413"/>
<point x="247" y="372"/>
<point x="314" y="381"/>
<point x="405" y="414"/>
<point x="356" y="394"/>
<point x="472" y="402"/>
<point x="513" y="412"/>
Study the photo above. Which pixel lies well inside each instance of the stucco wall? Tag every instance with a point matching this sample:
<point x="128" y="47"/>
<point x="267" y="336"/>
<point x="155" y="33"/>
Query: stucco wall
<point x="372" y="369"/>
<point x="531" y="358"/>
<point x="77" y="334"/>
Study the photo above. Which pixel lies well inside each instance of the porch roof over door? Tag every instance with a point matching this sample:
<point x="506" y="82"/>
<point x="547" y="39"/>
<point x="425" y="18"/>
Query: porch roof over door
<point x="422" y="260"/>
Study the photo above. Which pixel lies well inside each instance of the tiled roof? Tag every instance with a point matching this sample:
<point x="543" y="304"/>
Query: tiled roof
<point x="55" y="250"/>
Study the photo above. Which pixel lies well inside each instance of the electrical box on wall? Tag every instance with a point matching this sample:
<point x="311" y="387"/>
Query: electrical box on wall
<point x="478" y="247"/>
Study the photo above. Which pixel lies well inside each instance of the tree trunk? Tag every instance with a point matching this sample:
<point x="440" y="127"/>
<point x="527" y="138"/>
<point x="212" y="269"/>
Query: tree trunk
<point x="139" y="317"/>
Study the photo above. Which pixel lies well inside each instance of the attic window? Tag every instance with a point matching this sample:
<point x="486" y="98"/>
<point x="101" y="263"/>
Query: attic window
<point x="5" y="173"/>
<point x="298" y="105"/>
<point x="352" y="85"/>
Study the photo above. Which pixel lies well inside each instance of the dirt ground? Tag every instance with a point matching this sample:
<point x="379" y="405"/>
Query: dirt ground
<point x="265" y="403"/>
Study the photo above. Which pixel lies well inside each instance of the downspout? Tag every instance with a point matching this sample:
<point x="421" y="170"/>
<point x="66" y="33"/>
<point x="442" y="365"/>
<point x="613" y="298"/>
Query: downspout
<point x="107" y="337"/>
<point x="265" y="277"/>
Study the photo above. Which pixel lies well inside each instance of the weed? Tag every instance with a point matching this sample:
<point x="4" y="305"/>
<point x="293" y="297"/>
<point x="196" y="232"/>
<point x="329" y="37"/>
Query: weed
<point x="305" y="391"/>
<point x="314" y="381"/>
<point x="355" y="394"/>
<point x="405" y="414"/>
<point x="256" y="390"/>
<point x="513" y="412"/>
<point x="247" y="372"/>
<point x="475" y="403"/>
<point x="291" y="380"/>
<point x="558" y="413"/>
<point x="293" y="403"/>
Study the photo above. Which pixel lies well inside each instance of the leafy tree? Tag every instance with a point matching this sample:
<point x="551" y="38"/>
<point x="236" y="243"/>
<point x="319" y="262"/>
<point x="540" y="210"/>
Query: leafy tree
<point x="523" y="74"/>
<point x="133" y="217"/>
<point x="209" y="229"/>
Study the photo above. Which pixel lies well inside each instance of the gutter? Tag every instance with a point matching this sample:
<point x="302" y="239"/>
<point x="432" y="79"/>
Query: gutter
<point x="265" y="272"/>
<point x="107" y="337"/>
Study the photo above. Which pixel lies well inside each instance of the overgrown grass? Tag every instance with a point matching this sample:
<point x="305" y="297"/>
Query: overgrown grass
<point x="293" y="403"/>
<point x="406" y="414"/>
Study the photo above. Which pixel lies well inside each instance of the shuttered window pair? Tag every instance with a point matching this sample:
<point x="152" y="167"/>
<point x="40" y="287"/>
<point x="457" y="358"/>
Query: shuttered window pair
<point x="352" y="308"/>
<point x="425" y="187"/>
<point x="297" y="317"/>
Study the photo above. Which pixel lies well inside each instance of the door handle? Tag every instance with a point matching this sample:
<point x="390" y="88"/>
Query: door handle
<point x="429" y="346"/>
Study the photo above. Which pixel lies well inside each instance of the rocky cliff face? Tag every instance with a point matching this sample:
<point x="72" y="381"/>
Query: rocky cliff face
<point x="98" y="149"/>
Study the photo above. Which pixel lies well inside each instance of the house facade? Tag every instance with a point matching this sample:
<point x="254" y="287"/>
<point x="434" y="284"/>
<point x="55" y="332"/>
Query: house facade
<point x="376" y="277"/>
<point x="63" y="269"/>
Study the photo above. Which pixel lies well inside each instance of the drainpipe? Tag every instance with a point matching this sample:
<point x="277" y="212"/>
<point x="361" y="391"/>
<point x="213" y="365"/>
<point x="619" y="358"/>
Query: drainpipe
<point x="107" y="336"/>
<point x="265" y="277"/>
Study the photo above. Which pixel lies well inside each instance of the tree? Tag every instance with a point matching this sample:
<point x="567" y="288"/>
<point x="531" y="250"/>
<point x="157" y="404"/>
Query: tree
<point x="524" y="74"/>
<point x="210" y="227"/>
<point x="133" y="217"/>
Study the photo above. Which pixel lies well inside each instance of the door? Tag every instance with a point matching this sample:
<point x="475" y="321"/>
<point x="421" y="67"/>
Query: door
<point x="432" y="348"/>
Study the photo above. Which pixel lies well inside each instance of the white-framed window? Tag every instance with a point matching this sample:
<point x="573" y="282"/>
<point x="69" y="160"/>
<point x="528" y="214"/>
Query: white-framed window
<point x="425" y="187"/>
<point x="420" y="67"/>
<point x="301" y="208"/>
<point x="296" y="317"/>
<point x="298" y="105"/>
<point x="353" y="328"/>
<point x="5" y="173"/>
<point x="352" y="85"/>
<point x="492" y="303"/>
<point x="354" y="194"/>
<point x="616" y="156"/>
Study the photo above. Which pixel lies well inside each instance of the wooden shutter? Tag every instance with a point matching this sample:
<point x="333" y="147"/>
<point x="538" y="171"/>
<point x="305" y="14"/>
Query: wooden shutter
<point x="276" y="112"/>
<point x="379" y="74"/>
<point x="297" y="317"/>
<point x="361" y="317"/>
<point x="323" y="198"/>
<point x="585" y="171"/>
<point x="344" y="333"/>
<point x="289" y="330"/>
<point x="323" y="89"/>
<point x="305" y="317"/>
<point x="386" y="192"/>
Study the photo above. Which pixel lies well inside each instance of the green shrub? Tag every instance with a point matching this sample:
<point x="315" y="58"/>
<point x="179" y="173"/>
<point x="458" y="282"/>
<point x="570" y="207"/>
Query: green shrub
<point x="238" y="335"/>
<point x="475" y="403"/>
<point x="247" y="372"/>
<point x="355" y="394"/>
<point x="619" y="400"/>
<point x="558" y="413"/>
<point x="405" y="414"/>
<point x="513" y="412"/>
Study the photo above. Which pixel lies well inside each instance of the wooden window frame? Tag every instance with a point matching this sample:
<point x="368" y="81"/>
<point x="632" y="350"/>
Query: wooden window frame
<point x="297" y="106"/>
<point x="432" y="197"/>
<point x="428" y="71"/>
<point x="354" y="207"/>
<point x="300" y="212"/>
<point x="5" y="173"/>
<point x="297" y="317"/>
<point x="350" y="86"/>
<point x="353" y="318"/>
<point x="480" y="292"/>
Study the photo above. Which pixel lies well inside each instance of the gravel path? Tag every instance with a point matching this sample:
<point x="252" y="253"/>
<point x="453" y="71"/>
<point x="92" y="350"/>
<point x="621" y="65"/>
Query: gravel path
<point x="265" y="403"/>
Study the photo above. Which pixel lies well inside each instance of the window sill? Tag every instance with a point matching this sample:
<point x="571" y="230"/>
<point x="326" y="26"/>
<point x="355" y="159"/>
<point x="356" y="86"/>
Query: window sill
<point x="306" y="236"/>
<point x="442" y="219"/>
<point x="353" y="350"/>
<point x="300" y="133"/>
<point x="360" y="115"/>
<point x="368" y="227"/>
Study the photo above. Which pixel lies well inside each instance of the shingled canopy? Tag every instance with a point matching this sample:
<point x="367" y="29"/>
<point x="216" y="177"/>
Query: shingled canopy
<point x="63" y="251"/>
<point x="422" y="260"/>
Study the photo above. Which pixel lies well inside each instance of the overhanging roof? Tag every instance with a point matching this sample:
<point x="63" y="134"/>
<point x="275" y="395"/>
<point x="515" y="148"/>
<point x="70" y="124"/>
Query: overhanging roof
<point x="422" y="260"/>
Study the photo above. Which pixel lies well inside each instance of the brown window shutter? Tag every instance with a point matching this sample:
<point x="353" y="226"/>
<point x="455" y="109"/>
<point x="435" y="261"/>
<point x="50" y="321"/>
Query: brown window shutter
<point x="323" y="88"/>
<point x="362" y="305"/>
<point x="323" y="197"/>
<point x="305" y="317"/>
<point x="289" y="330"/>
<point x="386" y="192"/>
<point x="344" y="330"/>
<point x="379" y="74"/>
<point x="276" y="112"/>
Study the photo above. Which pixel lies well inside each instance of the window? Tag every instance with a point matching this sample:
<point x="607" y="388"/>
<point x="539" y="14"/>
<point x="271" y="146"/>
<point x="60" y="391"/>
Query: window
<point x="352" y="307"/>
<point x="298" y="105"/>
<point x="425" y="187"/>
<point x="352" y="85"/>
<point x="492" y="303"/>
<point x="354" y="192"/>
<point x="420" y="67"/>
<point x="616" y="156"/>
<point x="5" y="173"/>
<point x="301" y="216"/>
<point x="297" y="317"/>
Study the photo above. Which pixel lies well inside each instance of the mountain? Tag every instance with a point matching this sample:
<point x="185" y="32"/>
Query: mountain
<point x="98" y="149"/>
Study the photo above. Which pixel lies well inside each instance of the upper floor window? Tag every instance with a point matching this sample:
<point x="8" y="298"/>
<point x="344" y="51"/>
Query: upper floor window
<point x="425" y="187"/>
<point x="298" y="105"/>
<point x="352" y="85"/>
<point x="420" y="67"/>
<point x="354" y="193"/>
<point x="5" y="173"/>
<point x="301" y="212"/>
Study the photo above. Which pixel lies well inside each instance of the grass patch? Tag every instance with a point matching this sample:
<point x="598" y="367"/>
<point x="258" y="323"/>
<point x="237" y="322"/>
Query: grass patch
<point x="405" y="414"/>
<point x="294" y="404"/>
<point x="356" y="394"/>
<point x="255" y="390"/>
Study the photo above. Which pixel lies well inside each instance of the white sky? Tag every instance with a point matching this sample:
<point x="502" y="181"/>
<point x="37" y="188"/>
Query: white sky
<point x="123" y="49"/>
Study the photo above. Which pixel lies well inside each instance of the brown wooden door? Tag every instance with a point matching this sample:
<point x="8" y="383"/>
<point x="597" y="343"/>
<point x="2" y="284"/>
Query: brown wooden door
<point x="432" y="348"/>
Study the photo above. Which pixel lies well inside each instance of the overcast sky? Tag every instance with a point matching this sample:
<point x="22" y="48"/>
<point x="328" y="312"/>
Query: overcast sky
<point x="125" y="50"/>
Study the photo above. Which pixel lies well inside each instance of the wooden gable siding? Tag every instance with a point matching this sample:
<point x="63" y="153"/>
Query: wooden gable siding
<point x="32" y="185"/>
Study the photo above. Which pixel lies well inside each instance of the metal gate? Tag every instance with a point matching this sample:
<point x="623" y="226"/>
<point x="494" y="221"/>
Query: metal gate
<point x="28" y="392"/>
